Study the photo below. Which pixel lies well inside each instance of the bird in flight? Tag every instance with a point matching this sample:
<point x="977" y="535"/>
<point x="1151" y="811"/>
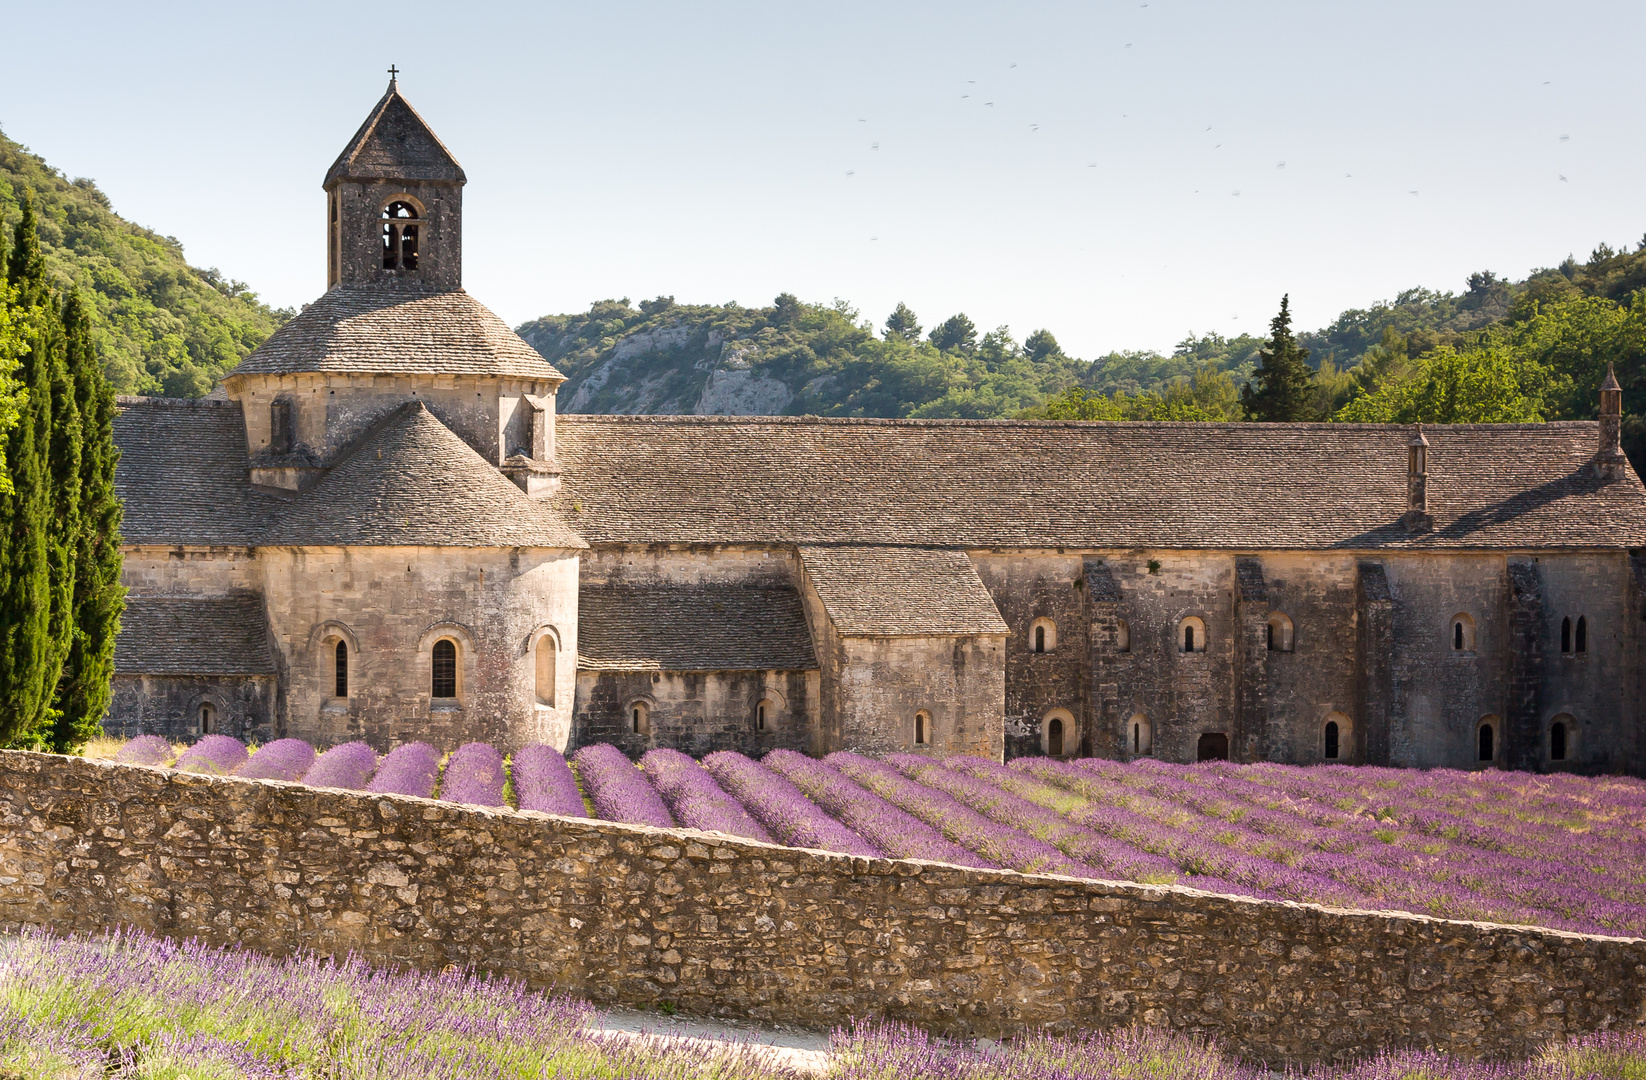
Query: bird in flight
<point x="1563" y="180"/>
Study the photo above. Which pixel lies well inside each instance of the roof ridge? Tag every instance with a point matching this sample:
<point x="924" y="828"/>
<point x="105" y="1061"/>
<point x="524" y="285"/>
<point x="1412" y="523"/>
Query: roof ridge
<point x="1009" y="422"/>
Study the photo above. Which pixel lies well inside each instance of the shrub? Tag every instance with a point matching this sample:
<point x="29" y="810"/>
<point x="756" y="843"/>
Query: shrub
<point x="214" y="755"/>
<point x="474" y="775"/>
<point x="407" y="770"/>
<point x="543" y="781"/>
<point x="617" y="789"/>
<point x="282" y="759"/>
<point x="146" y="750"/>
<point x="346" y="766"/>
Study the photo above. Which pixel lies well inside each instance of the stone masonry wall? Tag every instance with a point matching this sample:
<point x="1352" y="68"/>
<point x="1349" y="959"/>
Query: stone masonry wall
<point x="731" y="927"/>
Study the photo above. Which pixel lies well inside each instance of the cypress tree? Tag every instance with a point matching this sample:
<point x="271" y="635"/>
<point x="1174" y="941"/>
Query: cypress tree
<point x="26" y="513"/>
<point x="1282" y="377"/>
<point x="99" y="599"/>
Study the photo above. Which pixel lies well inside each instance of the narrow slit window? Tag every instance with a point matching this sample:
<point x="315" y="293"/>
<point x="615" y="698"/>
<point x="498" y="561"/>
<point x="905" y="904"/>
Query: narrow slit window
<point x="922" y="729"/>
<point x="547" y="663"/>
<point x="760" y="717"/>
<point x="1331" y="740"/>
<point x="1457" y="636"/>
<point x="444" y="682"/>
<point x="1488" y="741"/>
<point x="1054" y="737"/>
<point x="1040" y="639"/>
<point x="1188" y="639"/>
<point x="639" y="719"/>
<point x="1557" y="741"/>
<point x="208" y="720"/>
<point x="340" y="673"/>
<point x="1581" y="641"/>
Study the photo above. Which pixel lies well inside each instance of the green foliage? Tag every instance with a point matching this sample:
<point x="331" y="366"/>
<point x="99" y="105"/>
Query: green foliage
<point x="27" y="513"/>
<point x="159" y="325"/>
<point x="902" y="325"/>
<point x="1279" y="390"/>
<point x="60" y="594"/>
<point x="84" y="688"/>
<point x="957" y="333"/>
<point x="1482" y="386"/>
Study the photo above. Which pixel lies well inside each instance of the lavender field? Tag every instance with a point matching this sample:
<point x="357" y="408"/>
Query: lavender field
<point x="133" y="1007"/>
<point x="1561" y="851"/>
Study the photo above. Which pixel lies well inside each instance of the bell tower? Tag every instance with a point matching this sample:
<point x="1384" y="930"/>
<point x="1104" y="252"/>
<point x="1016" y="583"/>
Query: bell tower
<point x="394" y="203"/>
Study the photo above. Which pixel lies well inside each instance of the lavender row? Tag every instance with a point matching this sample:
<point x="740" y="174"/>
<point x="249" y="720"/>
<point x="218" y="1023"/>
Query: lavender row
<point x="617" y="788"/>
<point x="897" y="833"/>
<point x="347" y="766"/>
<point x="1001" y="844"/>
<point x="777" y="804"/>
<point x="410" y="769"/>
<point x="695" y="799"/>
<point x="543" y="781"/>
<point x="474" y="776"/>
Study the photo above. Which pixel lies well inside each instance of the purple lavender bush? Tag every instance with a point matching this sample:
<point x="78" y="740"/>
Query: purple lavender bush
<point x="617" y="789"/>
<point x="1008" y="846"/>
<point x="282" y="759"/>
<point x="347" y="766"/>
<point x="474" y="775"/>
<point x="214" y="755"/>
<point x="146" y="750"/>
<point x="900" y="835"/>
<point x="778" y="805"/>
<point x="407" y="770"/>
<point x="695" y="799"/>
<point x="543" y="781"/>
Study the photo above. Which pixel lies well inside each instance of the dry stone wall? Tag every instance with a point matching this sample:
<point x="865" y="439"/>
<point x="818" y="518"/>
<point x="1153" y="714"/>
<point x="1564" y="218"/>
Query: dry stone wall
<point x="732" y="927"/>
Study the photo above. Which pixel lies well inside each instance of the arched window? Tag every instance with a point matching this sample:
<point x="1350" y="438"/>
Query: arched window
<point x="1463" y="633"/>
<point x="208" y="719"/>
<point x="1214" y="746"/>
<point x="640" y="718"/>
<point x="1566" y="634"/>
<point x="1334" y="737"/>
<point x="1486" y="740"/>
<point x="922" y="729"/>
<point x="1279" y="632"/>
<point x="547" y="662"/>
<point x="1140" y="736"/>
<point x="1123" y="636"/>
<point x="1191" y="635"/>
<point x="400" y="236"/>
<point x="1558" y="734"/>
<point x="1057" y="732"/>
<point x="1581" y="643"/>
<point x="765" y="715"/>
<point x="340" y="670"/>
<point x="1043" y="636"/>
<point x="443" y="684"/>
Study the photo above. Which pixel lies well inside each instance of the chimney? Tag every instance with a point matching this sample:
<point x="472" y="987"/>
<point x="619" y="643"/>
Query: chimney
<point x="1417" y="518"/>
<point x="1610" y="464"/>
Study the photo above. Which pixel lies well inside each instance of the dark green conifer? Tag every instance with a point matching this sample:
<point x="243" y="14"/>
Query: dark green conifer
<point x="99" y="599"/>
<point x="27" y="683"/>
<point x="1282" y="377"/>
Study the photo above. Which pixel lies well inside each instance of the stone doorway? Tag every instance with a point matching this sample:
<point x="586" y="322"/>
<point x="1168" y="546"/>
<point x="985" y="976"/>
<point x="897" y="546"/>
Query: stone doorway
<point x="1214" y="746"/>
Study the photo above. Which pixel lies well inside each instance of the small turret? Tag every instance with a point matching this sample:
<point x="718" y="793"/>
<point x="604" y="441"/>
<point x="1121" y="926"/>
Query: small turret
<point x="1610" y="464"/>
<point x="1417" y="518"/>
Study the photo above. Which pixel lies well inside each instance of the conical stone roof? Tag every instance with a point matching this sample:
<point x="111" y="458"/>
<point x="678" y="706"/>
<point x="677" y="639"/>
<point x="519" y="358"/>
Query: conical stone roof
<point x="411" y="482"/>
<point x="395" y="144"/>
<point x="396" y="330"/>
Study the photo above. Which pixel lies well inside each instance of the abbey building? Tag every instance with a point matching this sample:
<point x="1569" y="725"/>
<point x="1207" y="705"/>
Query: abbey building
<point x="379" y="528"/>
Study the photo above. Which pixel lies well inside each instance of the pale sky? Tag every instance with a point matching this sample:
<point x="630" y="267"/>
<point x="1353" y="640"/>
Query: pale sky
<point x="1121" y="173"/>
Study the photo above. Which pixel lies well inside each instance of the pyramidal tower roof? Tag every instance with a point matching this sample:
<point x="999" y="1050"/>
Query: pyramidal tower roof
<point x="395" y="143"/>
<point x="411" y="482"/>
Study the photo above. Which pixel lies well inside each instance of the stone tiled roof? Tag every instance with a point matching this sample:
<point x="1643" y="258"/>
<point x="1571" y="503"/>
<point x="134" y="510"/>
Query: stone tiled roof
<point x="395" y="143"/>
<point x="182" y="474"/>
<point x="900" y="591"/>
<point x="411" y="482"/>
<point x="983" y="484"/>
<point x="393" y="329"/>
<point x="691" y="628"/>
<point x="193" y="636"/>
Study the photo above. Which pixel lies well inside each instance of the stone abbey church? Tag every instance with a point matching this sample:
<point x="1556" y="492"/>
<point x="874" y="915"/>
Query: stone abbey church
<point x="378" y="528"/>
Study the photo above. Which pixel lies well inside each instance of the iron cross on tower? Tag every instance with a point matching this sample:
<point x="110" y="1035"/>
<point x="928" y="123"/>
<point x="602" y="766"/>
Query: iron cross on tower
<point x="393" y="72"/>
